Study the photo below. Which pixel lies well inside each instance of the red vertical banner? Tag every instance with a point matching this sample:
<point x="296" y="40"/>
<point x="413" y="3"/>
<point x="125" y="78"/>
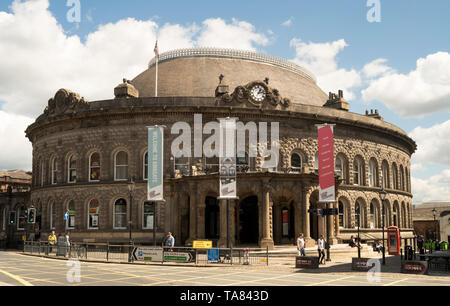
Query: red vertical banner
<point x="326" y="163"/>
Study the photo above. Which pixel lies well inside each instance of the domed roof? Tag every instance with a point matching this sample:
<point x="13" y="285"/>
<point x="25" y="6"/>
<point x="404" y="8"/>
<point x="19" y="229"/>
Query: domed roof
<point x="195" y="73"/>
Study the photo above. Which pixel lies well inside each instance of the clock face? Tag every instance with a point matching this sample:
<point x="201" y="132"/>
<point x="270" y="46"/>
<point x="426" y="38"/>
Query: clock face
<point x="258" y="93"/>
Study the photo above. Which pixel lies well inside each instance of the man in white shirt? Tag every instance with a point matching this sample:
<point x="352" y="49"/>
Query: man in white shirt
<point x="301" y="245"/>
<point x="321" y="249"/>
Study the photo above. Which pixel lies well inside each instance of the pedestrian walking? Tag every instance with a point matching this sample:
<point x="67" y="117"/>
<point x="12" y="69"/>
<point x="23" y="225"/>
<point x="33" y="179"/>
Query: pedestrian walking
<point x="420" y="244"/>
<point x="52" y="240"/>
<point x="301" y="245"/>
<point x="169" y="241"/>
<point x="321" y="249"/>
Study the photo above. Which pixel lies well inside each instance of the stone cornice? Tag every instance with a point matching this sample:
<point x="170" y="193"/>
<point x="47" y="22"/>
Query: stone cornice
<point x="179" y="107"/>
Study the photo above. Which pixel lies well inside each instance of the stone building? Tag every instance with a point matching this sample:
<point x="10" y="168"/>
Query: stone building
<point x="85" y="153"/>
<point x="432" y="225"/>
<point x="14" y="196"/>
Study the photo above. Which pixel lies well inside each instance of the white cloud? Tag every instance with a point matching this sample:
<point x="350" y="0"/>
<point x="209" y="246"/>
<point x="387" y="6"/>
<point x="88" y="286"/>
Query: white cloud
<point x="377" y="68"/>
<point x="321" y="60"/>
<point x="436" y="188"/>
<point x="238" y="35"/>
<point x="416" y="167"/>
<point x="15" y="150"/>
<point x="423" y="91"/>
<point x="433" y="144"/>
<point x="288" y="22"/>
<point x="37" y="57"/>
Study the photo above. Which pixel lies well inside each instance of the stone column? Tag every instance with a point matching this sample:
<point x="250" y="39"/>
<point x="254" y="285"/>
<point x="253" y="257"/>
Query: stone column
<point x="233" y="205"/>
<point x="306" y="223"/>
<point x="192" y="213"/>
<point x="266" y="240"/>
<point x="222" y="243"/>
<point x="201" y="207"/>
<point x="298" y="216"/>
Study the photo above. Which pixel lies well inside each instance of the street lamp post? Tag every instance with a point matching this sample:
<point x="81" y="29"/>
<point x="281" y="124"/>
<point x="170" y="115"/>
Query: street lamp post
<point x="383" y="195"/>
<point x="131" y="187"/>
<point x="359" y="238"/>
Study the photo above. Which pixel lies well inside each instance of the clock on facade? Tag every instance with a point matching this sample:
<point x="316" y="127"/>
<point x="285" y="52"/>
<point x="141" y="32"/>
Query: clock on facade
<point x="258" y="93"/>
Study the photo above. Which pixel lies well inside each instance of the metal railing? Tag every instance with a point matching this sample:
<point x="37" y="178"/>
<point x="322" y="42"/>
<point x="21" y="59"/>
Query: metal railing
<point x="106" y="252"/>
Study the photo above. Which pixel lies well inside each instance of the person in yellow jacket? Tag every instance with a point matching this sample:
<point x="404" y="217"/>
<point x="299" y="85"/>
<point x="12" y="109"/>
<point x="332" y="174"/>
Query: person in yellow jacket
<point x="52" y="240"/>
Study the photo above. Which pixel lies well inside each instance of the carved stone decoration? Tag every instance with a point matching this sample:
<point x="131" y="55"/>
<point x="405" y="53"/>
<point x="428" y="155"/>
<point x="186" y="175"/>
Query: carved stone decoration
<point x="242" y="95"/>
<point x="66" y="101"/>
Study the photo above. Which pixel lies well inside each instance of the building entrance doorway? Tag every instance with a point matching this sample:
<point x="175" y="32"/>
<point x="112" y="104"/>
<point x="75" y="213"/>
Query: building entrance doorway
<point x="212" y="218"/>
<point x="248" y="221"/>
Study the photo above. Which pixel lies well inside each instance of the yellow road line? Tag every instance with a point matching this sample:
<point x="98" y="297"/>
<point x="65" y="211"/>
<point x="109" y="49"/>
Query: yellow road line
<point x="20" y="280"/>
<point x="396" y="282"/>
<point x="187" y="279"/>
<point x="328" y="281"/>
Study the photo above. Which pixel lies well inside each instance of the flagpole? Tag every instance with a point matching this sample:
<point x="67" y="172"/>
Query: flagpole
<point x="157" y="62"/>
<point x="156" y="86"/>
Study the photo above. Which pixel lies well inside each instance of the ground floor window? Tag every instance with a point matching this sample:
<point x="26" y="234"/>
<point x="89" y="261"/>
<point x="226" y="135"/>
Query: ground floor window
<point x="120" y="214"/>
<point x="94" y="208"/>
<point x="149" y="216"/>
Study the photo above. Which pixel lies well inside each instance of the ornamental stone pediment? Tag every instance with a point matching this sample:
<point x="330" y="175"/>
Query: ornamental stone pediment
<point x="257" y="94"/>
<point x="64" y="102"/>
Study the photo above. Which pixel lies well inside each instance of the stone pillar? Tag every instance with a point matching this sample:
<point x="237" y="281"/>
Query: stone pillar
<point x="306" y="223"/>
<point x="233" y="205"/>
<point x="298" y="216"/>
<point x="266" y="240"/>
<point x="192" y="213"/>
<point x="201" y="207"/>
<point x="222" y="243"/>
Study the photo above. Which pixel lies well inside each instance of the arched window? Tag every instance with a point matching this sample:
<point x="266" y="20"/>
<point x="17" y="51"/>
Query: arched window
<point x="145" y="170"/>
<point x="403" y="213"/>
<point x="341" y="215"/>
<point x="42" y="172"/>
<point x="93" y="214"/>
<point x="372" y="221"/>
<point x="357" y="215"/>
<point x="395" y="215"/>
<point x="54" y="171"/>
<point x="296" y="163"/>
<point x="358" y="171"/>
<point x="316" y="161"/>
<point x="121" y="166"/>
<point x="402" y="178"/>
<point x="395" y="176"/>
<point x="22" y="218"/>
<point x="407" y="183"/>
<point x="341" y="168"/>
<point x="52" y="215"/>
<point x="72" y="169"/>
<point x="148" y="215"/>
<point x="385" y="172"/>
<point x="373" y="173"/>
<point x="120" y="214"/>
<point x="94" y="167"/>
<point x="70" y="222"/>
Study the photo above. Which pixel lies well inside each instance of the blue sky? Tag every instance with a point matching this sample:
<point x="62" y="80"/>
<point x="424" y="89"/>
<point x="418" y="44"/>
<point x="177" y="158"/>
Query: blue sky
<point x="409" y="30"/>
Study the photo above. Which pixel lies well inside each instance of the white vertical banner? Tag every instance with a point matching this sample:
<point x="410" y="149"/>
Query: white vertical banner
<point x="227" y="158"/>
<point x="155" y="190"/>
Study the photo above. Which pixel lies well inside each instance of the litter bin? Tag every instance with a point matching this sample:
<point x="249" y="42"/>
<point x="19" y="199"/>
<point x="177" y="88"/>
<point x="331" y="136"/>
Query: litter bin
<point x="62" y="247"/>
<point x="409" y="253"/>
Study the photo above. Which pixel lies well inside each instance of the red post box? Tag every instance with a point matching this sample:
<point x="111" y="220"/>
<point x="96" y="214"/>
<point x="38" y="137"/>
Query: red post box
<point x="393" y="237"/>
